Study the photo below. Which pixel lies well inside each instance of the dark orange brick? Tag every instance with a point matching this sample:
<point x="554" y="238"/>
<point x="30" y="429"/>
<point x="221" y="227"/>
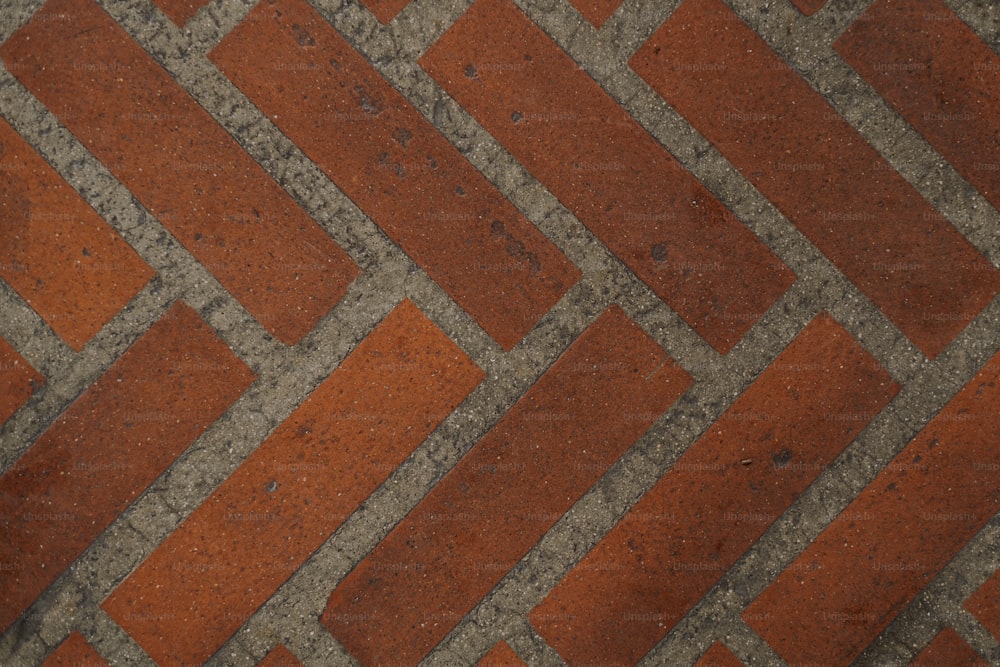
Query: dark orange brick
<point x="18" y="381"/>
<point x="280" y="657"/>
<point x="75" y="652"/>
<point x="719" y="656"/>
<point x="181" y="165"/>
<point x="397" y="167"/>
<point x="56" y="251"/>
<point x="385" y="10"/>
<point x="939" y="75"/>
<point x="596" y="11"/>
<point x="613" y="175"/>
<point x="891" y="541"/>
<point x="107" y="447"/>
<point x="819" y="172"/>
<point x="499" y="500"/>
<point x="501" y="655"/>
<point x="295" y="490"/>
<point x="809" y="7"/>
<point x="949" y="650"/>
<point x="716" y="500"/>
<point x="984" y="604"/>
<point x="180" y="11"/>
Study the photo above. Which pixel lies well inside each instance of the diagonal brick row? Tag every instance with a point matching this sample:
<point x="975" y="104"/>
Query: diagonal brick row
<point x="609" y="489"/>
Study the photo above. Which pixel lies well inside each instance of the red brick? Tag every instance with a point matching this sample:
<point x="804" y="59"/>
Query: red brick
<point x="385" y="10"/>
<point x="75" y="652"/>
<point x="181" y="165"/>
<point x="819" y="172"/>
<point x="180" y="11"/>
<point x="949" y="650"/>
<point x="614" y="176"/>
<point x="280" y="657"/>
<point x="107" y="447"/>
<point x="984" y="604"/>
<point x="809" y="7"/>
<point x="56" y="251"/>
<point x="295" y="490"/>
<point x="716" y="500"/>
<point x="891" y="541"/>
<point x="719" y="656"/>
<point x="397" y="167"/>
<point x="596" y="11"/>
<point x="939" y="75"/>
<point x="501" y="655"/>
<point x="499" y="500"/>
<point x="18" y="381"/>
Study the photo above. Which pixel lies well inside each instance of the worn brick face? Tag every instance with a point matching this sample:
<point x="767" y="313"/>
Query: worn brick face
<point x="399" y="169"/>
<point x="18" y="381"/>
<point x="939" y="75"/>
<point x="505" y="493"/>
<point x="852" y="581"/>
<point x="107" y="447"/>
<point x="716" y="500"/>
<point x="182" y="166"/>
<point x="677" y="237"/>
<point x="790" y="143"/>
<point x="294" y="490"/>
<point x="56" y="251"/>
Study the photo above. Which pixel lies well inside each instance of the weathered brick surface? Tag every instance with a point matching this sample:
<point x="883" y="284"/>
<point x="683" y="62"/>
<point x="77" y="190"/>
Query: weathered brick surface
<point x="500" y="499"/>
<point x="719" y="656"/>
<point x="295" y="490"/>
<point x="280" y="657"/>
<point x="592" y="333"/>
<point x="180" y="11"/>
<point x="397" y="167"/>
<point x="985" y="602"/>
<point x="675" y="236"/>
<point x="946" y="650"/>
<point x="852" y="581"/>
<point x="56" y="251"/>
<point x="75" y="652"/>
<point x="18" y="381"/>
<point x="181" y="165"/>
<point x="790" y="143"/>
<point x="716" y="501"/>
<point x="939" y="75"/>
<point x="107" y="447"/>
<point x="501" y="655"/>
<point x="596" y="11"/>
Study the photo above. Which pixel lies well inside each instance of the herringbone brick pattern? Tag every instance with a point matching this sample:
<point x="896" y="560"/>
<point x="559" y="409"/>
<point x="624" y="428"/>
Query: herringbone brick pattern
<point x="499" y="332"/>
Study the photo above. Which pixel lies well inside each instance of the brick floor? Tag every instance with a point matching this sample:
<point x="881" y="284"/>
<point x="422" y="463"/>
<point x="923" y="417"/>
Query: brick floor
<point x="483" y="332"/>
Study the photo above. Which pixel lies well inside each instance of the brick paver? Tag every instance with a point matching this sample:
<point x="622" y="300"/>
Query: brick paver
<point x="719" y="656"/>
<point x="295" y="490"/>
<point x="75" y="652"/>
<point x="939" y="75"/>
<point x="985" y="602"/>
<point x="182" y="166"/>
<point x="946" y="650"/>
<point x="502" y="497"/>
<point x="716" y="501"/>
<point x="676" y="236"/>
<point x="588" y="332"/>
<point x="18" y="381"/>
<point x="501" y="655"/>
<point x="107" y="447"/>
<point x="791" y="144"/>
<point x="56" y="251"/>
<point x="596" y="11"/>
<point x="397" y="167"/>
<point x="280" y="657"/>
<point x="852" y="581"/>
